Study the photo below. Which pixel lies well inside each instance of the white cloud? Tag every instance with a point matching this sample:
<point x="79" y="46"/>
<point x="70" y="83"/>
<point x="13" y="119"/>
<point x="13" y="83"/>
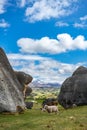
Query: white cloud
<point x="24" y="57"/>
<point x="46" y="9"/>
<point x="43" y="45"/>
<point x="3" y="24"/>
<point x="42" y="68"/>
<point x="63" y="43"/>
<point x="61" y="24"/>
<point x="79" y="25"/>
<point x="84" y="18"/>
<point x="21" y="3"/>
<point x="2" y="6"/>
<point x="82" y="22"/>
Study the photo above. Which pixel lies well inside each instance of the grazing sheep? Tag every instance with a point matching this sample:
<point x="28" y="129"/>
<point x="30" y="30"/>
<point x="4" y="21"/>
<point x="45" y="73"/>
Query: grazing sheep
<point x="51" y="109"/>
<point x="74" y="105"/>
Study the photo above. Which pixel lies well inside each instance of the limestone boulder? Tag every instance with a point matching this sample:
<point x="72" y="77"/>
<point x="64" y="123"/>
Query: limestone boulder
<point x="50" y="102"/>
<point x="25" y="80"/>
<point x="28" y="92"/>
<point x="10" y="94"/>
<point x="29" y="105"/>
<point x="74" y="89"/>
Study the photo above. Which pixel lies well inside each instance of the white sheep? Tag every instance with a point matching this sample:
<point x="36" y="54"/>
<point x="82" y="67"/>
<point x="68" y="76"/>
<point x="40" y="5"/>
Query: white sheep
<point x="51" y="109"/>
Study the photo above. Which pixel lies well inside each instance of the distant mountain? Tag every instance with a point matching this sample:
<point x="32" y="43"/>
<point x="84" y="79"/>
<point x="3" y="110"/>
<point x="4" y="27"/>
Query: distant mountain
<point x="39" y="84"/>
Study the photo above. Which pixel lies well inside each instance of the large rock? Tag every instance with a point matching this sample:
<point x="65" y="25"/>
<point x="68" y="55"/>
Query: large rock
<point x="50" y="102"/>
<point x="10" y="95"/>
<point x="28" y="91"/>
<point x="29" y="105"/>
<point x="24" y="80"/>
<point x="74" y="89"/>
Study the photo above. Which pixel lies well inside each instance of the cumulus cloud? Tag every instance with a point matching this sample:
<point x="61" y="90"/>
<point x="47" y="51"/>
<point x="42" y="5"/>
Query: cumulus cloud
<point x="63" y="43"/>
<point x="46" y="9"/>
<point x="2" y="6"/>
<point x="42" y="68"/>
<point x="43" y="45"/>
<point x="3" y="23"/>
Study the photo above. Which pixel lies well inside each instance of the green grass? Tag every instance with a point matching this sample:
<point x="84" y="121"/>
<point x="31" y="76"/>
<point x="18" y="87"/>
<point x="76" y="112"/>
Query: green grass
<point x="34" y="119"/>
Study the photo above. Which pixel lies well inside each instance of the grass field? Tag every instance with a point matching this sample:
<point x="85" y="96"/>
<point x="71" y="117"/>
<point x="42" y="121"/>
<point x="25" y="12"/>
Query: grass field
<point x="35" y="119"/>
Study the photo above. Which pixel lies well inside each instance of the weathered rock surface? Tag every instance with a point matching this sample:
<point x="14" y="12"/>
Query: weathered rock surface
<point x="28" y="92"/>
<point x="10" y="94"/>
<point x="29" y="105"/>
<point x="74" y="89"/>
<point x="24" y="80"/>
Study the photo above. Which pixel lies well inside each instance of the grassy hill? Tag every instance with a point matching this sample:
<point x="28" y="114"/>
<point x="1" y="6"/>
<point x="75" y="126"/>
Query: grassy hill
<point x="35" y="119"/>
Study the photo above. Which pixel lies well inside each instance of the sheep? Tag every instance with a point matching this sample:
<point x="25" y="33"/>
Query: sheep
<point x="51" y="109"/>
<point x="74" y="105"/>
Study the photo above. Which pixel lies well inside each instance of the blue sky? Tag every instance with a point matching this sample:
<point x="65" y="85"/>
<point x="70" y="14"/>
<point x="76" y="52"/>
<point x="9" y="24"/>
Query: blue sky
<point x="45" y="38"/>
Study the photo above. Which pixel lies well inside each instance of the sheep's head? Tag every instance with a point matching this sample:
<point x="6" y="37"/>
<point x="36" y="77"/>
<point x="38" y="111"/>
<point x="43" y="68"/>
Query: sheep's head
<point x="46" y="106"/>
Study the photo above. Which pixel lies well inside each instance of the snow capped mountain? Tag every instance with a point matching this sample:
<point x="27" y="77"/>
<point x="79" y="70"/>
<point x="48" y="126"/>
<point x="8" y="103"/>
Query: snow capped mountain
<point x="40" y="84"/>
